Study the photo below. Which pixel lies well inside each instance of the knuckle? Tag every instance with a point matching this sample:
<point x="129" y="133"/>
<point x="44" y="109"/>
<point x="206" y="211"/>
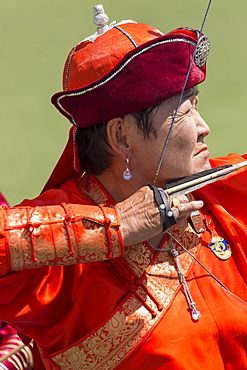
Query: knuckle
<point x="176" y="212"/>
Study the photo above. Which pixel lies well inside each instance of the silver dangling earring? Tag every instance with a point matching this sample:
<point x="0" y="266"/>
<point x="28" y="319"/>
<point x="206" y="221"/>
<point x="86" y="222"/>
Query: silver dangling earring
<point x="127" y="175"/>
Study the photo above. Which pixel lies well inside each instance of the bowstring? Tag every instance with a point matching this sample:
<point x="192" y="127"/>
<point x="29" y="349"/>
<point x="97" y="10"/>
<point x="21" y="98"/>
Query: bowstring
<point x="180" y="97"/>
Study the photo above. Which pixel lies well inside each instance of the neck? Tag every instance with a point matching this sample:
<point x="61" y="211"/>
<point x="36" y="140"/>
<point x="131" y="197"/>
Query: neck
<point x="117" y="186"/>
<point x="119" y="190"/>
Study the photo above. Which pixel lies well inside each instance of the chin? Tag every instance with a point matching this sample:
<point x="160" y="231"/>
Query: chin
<point x="202" y="167"/>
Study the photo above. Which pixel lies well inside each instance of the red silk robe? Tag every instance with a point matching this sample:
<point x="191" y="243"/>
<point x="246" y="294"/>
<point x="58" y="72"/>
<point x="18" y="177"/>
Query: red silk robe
<point x="128" y="312"/>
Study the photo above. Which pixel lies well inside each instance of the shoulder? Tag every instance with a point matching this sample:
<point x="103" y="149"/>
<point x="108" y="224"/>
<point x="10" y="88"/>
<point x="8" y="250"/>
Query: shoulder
<point x="232" y="158"/>
<point x="68" y="192"/>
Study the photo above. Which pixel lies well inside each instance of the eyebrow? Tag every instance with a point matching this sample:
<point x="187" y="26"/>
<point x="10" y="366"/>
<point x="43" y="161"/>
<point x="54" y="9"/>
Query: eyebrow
<point x="190" y="92"/>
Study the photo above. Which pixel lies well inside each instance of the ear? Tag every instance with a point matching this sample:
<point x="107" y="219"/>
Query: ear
<point x="117" y="135"/>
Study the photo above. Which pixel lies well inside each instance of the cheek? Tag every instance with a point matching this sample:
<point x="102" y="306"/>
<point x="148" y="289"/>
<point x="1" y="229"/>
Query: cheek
<point x="184" y="144"/>
<point x="184" y="139"/>
<point x="180" y="150"/>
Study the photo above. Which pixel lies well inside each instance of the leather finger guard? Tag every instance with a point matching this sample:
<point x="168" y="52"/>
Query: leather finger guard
<point x="161" y="199"/>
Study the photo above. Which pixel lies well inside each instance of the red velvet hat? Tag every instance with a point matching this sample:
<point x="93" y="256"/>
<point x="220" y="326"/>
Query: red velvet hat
<point x="130" y="67"/>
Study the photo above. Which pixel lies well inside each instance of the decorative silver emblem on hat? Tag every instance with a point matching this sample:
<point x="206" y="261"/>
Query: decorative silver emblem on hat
<point x="202" y="51"/>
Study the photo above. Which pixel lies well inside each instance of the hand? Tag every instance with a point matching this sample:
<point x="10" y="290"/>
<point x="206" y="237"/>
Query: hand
<point x="141" y="219"/>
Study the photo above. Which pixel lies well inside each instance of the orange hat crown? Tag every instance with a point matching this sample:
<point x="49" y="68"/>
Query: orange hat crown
<point x="98" y="54"/>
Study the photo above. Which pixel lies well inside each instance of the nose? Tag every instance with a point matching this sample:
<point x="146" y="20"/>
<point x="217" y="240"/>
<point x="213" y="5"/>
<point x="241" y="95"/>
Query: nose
<point x="202" y="128"/>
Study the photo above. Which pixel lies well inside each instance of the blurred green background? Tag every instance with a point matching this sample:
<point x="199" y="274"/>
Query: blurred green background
<point x="36" y="37"/>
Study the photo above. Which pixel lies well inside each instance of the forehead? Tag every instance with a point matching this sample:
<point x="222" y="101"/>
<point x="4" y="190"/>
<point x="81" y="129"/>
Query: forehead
<point x="166" y="110"/>
<point x="172" y="102"/>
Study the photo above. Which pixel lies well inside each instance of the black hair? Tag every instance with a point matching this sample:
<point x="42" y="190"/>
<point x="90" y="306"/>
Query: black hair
<point x="92" y="142"/>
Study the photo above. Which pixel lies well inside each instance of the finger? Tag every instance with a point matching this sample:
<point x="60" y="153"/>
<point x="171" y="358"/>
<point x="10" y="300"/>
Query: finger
<point x="175" y="202"/>
<point x="186" y="208"/>
<point x="181" y="199"/>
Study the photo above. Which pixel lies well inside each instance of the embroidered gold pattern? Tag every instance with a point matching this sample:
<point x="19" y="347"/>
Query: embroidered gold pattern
<point x="138" y="257"/>
<point x="107" y="346"/>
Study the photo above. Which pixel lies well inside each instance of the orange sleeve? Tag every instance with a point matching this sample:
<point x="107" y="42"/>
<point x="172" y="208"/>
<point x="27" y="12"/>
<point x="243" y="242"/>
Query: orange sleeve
<point x="62" y="235"/>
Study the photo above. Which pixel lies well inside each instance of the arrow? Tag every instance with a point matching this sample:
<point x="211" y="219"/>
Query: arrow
<point x="188" y="184"/>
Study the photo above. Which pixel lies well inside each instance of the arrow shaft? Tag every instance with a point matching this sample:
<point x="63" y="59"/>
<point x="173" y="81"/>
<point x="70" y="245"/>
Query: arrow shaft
<point x="204" y="180"/>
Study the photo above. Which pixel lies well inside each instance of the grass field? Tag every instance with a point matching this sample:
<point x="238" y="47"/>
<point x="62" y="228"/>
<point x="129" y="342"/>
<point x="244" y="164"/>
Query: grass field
<point x="35" y="39"/>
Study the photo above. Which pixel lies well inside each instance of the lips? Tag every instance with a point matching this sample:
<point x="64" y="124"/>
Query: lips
<point x="203" y="150"/>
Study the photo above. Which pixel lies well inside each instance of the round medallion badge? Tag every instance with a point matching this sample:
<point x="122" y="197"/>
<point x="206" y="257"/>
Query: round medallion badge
<point x="202" y="51"/>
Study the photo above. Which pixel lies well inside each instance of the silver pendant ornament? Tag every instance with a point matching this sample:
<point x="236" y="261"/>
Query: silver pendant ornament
<point x="127" y="175"/>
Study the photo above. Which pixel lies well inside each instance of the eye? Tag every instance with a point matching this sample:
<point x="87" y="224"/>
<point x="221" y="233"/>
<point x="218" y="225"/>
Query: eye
<point x="188" y="111"/>
<point x="194" y="105"/>
<point x="195" y="102"/>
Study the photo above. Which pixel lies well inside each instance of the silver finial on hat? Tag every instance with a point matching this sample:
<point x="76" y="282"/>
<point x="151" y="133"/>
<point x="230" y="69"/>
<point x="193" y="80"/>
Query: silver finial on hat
<point x="100" y="19"/>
